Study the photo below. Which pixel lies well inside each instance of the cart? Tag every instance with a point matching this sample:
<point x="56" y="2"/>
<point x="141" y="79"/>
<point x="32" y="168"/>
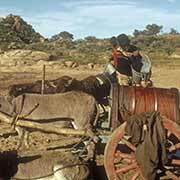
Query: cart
<point x="136" y="100"/>
<point x="118" y="162"/>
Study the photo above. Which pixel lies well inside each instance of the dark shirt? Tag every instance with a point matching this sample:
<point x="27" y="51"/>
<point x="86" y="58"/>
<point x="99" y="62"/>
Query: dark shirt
<point x="136" y="62"/>
<point x="124" y="66"/>
<point x="125" y="63"/>
<point x="131" y="48"/>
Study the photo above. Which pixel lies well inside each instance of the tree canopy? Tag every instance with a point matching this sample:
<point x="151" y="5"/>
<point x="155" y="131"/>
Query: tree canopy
<point x="64" y="35"/>
<point x="173" y="31"/>
<point x="151" y="29"/>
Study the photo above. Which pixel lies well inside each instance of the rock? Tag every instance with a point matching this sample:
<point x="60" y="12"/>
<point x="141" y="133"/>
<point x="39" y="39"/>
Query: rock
<point x="49" y="63"/>
<point x="75" y="65"/>
<point x="174" y="55"/>
<point x="90" y="65"/>
<point x="12" y="45"/>
<point x="10" y="62"/>
<point x="68" y="63"/>
<point x="39" y="55"/>
<point x="18" y="30"/>
<point x="20" y="63"/>
<point x="20" y="56"/>
<point x="97" y="66"/>
<point x="20" y="53"/>
<point x="41" y="62"/>
<point x="58" y="66"/>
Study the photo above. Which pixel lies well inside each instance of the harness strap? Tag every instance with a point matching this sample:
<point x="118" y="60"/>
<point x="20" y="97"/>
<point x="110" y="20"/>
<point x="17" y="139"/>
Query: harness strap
<point x="17" y="112"/>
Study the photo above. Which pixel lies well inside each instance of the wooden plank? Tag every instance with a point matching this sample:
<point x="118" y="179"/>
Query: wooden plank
<point x="43" y="127"/>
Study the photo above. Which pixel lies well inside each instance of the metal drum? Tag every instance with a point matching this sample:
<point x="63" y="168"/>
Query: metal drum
<point x="138" y="100"/>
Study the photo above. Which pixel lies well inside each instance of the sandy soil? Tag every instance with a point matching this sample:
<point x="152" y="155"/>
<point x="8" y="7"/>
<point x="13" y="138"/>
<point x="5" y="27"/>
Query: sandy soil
<point x="166" y="77"/>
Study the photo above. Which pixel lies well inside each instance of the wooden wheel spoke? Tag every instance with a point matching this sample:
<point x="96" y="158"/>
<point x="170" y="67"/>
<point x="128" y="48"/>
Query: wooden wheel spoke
<point x="120" y="148"/>
<point x="174" y="147"/>
<point x="129" y="158"/>
<point x="131" y="146"/>
<point x="171" y="175"/>
<point x="117" y="158"/>
<point x="125" y="155"/>
<point x="127" y="168"/>
<point x="136" y="175"/>
<point x="175" y="161"/>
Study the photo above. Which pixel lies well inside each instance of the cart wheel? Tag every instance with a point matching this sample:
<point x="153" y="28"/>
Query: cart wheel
<point x="120" y="161"/>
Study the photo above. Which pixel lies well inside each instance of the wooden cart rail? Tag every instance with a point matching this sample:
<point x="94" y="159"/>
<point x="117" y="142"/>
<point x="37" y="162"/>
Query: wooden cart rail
<point x="43" y="127"/>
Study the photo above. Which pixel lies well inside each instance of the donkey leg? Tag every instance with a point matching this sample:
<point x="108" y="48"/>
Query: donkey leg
<point x="21" y="133"/>
<point x="26" y="139"/>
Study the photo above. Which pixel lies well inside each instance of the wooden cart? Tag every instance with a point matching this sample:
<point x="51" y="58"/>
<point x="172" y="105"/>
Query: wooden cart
<point x="137" y="100"/>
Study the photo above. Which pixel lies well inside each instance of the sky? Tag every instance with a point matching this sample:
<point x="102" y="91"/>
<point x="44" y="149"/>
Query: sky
<point x="100" y="18"/>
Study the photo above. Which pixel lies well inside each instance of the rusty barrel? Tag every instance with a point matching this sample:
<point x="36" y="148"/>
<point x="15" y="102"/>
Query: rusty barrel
<point x="138" y="100"/>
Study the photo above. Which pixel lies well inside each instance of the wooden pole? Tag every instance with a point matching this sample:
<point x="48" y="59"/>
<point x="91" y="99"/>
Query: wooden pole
<point x="43" y="127"/>
<point x="43" y="79"/>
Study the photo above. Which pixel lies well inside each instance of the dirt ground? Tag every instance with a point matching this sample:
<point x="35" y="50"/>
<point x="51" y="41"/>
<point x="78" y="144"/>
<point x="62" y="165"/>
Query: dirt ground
<point x="165" y="77"/>
<point x="162" y="76"/>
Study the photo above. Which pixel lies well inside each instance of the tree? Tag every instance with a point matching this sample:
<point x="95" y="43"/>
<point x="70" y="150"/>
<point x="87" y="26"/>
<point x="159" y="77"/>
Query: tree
<point x="169" y="49"/>
<point x="173" y="31"/>
<point x="66" y="35"/>
<point x="91" y="38"/>
<point x="136" y="33"/>
<point x="153" y="29"/>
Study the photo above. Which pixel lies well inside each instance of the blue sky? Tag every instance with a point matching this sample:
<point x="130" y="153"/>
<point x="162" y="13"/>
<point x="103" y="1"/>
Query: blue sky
<point x="101" y="18"/>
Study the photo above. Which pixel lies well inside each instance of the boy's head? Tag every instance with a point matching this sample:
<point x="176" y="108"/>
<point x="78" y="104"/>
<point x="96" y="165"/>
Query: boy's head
<point x="123" y="40"/>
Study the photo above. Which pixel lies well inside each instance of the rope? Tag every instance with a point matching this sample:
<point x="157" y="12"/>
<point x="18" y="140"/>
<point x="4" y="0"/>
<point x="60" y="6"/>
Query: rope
<point x="17" y="116"/>
<point x="31" y="111"/>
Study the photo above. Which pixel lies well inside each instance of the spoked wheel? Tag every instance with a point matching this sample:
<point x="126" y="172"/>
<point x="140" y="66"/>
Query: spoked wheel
<point x="120" y="161"/>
